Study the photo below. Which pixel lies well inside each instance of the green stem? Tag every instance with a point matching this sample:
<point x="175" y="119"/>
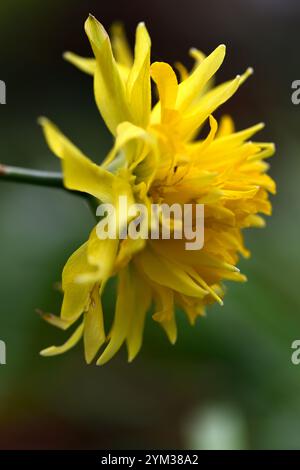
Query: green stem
<point x="36" y="177"/>
<point x="42" y="178"/>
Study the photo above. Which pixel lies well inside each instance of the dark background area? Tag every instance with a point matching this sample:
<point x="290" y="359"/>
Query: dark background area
<point x="229" y="382"/>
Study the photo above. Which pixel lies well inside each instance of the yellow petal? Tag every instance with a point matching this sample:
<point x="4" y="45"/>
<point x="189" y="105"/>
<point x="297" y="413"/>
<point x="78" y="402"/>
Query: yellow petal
<point x="169" y="274"/>
<point x="102" y="253"/>
<point x="237" y="138"/>
<point x="172" y="248"/>
<point x="198" y="56"/>
<point x="126" y="133"/>
<point x="190" y="88"/>
<point x="194" y="274"/>
<point x="128" y="248"/>
<point x="192" y="307"/>
<point x="121" y="48"/>
<point x="139" y="149"/>
<point x="142" y="300"/>
<point x="165" y="313"/>
<point x="108" y="84"/>
<point x="88" y="65"/>
<point x="85" y="64"/>
<point x="266" y="150"/>
<point x="226" y="126"/>
<point x="239" y="194"/>
<point x="166" y="81"/>
<point x="72" y="341"/>
<point x="94" y="334"/>
<point x="256" y="221"/>
<point x="76" y="296"/>
<point x="138" y="85"/>
<point x="123" y="316"/>
<point x="182" y="70"/>
<point x="207" y="105"/>
<point x="55" y="320"/>
<point x="198" y="147"/>
<point x="80" y="173"/>
<point x="211" y="101"/>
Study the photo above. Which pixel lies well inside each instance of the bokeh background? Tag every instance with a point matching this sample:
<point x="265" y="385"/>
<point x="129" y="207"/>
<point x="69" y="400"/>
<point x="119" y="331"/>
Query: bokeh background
<point x="229" y="382"/>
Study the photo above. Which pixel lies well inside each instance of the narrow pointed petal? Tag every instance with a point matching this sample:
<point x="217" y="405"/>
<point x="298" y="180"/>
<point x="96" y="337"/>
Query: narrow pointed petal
<point x="168" y="274"/>
<point x="139" y="85"/>
<point x="207" y="105"/>
<point x="226" y="126"/>
<point x="70" y="343"/>
<point x="121" y="48"/>
<point x="108" y="84"/>
<point x="182" y="71"/>
<point x="94" y="334"/>
<point x="55" y="320"/>
<point x="85" y="64"/>
<point x="190" y="88"/>
<point x="123" y="317"/>
<point x="237" y="138"/>
<point x="142" y="300"/>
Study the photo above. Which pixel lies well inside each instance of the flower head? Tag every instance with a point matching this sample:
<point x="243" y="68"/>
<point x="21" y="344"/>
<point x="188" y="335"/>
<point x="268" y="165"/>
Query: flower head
<point x="157" y="158"/>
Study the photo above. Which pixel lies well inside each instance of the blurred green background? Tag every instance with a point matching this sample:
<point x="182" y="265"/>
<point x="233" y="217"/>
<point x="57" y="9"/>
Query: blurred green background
<point x="229" y="382"/>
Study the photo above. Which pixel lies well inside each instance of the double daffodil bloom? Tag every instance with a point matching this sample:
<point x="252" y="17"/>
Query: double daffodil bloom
<point x="156" y="158"/>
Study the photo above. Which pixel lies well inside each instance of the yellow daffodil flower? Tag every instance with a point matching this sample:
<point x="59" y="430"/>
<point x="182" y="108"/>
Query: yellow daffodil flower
<point x="157" y="158"/>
